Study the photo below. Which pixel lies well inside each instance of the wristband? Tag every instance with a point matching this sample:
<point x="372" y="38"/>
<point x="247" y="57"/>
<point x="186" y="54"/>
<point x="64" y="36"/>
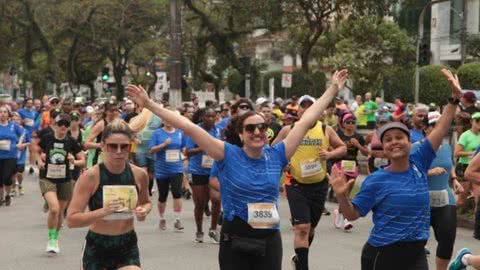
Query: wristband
<point x="453" y="101"/>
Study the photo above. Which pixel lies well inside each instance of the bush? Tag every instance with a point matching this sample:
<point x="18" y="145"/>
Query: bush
<point x="302" y="84"/>
<point x="400" y="83"/>
<point x="469" y="75"/>
<point x="433" y="86"/>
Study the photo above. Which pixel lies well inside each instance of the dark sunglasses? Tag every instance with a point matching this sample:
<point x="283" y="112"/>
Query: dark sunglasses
<point x="244" y="107"/>
<point x="115" y="147"/>
<point x="64" y="123"/>
<point x="350" y="122"/>
<point x="476" y="120"/>
<point x="250" y="128"/>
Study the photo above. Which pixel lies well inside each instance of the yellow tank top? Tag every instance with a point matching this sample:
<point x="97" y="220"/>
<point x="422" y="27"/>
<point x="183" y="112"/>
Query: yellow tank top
<point x="305" y="165"/>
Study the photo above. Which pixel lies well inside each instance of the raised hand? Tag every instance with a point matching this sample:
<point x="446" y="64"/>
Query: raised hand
<point x="339" y="78"/>
<point x="454" y="83"/>
<point x="340" y="184"/>
<point x="138" y="95"/>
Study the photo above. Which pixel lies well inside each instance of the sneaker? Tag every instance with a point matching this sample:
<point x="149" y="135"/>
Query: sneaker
<point x="294" y="261"/>
<point x="456" y="263"/>
<point x="326" y="212"/>
<point x="338" y="220"/>
<point x="21" y="191"/>
<point x="31" y="171"/>
<point x="8" y="200"/>
<point x="57" y="247"/>
<point x="427" y="252"/>
<point x="347" y="226"/>
<point x="214" y="235"/>
<point x="163" y="225"/>
<point x="199" y="237"/>
<point x="13" y="193"/>
<point x="178" y="225"/>
<point x="51" y="246"/>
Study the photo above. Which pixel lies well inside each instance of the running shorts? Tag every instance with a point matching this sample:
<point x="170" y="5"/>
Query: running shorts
<point x="62" y="189"/>
<point x="7" y="170"/>
<point x="306" y="201"/>
<point x="198" y="180"/>
<point x="174" y="183"/>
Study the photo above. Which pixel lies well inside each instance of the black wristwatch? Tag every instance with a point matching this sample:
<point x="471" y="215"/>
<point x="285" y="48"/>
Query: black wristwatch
<point x="454" y="101"/>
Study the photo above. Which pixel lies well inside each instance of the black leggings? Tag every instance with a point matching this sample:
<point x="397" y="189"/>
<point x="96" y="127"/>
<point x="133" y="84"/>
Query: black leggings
<point x="444" y="223"/>
<point x="230" y="259"/>
<point x="397" y="256"/>
<point x="8" y="167"/>
<point x="174" y="183"/>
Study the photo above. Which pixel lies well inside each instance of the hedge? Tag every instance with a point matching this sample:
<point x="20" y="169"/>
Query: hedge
<point x="433" y="85"/>
<point x="312" y="84"/>
<point x="469" y="75"/>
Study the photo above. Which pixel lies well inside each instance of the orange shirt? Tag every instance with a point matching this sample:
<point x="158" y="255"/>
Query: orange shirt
<point x="45" y="120"/>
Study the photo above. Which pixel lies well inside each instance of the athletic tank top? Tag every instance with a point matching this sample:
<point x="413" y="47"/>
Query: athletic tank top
<point x="306" y="166"/>
<point x="125" y="178"/>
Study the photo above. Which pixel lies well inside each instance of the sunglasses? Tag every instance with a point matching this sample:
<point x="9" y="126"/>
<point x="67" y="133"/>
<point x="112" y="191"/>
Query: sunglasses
<point x="476" y="120"/>
<point x="350" y="122"/>
<point x="118" y="147"/>
<point x="250" y="128"/>
<point x="244" y="107"/>
<point x="64" y="123"/>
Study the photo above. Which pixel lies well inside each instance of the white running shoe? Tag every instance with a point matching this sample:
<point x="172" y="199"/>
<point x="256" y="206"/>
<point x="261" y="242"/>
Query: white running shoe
<point x="338" y="219"/>
<point x="347" y="226"/>
<point x="51" y="246"/>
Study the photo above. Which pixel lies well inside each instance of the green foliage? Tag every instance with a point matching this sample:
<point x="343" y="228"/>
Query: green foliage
<point x="234" y="81"/>
<point x="400" y="82"/>
<point x="473" y="46"/>
<point x="313" y="84"/>
<point x="469" y="75"/>
<point x="433" y="85"/>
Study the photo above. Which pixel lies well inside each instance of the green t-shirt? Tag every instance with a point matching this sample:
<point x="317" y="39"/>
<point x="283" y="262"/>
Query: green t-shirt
<point x="470" y="143"/>
<point x="361" y="116"/>
<point x="371" y="107"/>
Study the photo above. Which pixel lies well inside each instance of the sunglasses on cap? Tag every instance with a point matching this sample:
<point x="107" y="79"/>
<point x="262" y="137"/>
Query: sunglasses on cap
<point x="64" y="123"/>
<point x="250" y="128"/>
<point x="118" y="147"/>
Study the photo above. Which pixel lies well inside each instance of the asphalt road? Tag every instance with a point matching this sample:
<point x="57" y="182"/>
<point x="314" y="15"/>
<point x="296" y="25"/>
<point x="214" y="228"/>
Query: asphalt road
<point x="24" y="235"/>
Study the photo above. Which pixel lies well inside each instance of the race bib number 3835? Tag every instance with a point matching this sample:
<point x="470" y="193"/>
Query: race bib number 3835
<point x="263" y="215"/>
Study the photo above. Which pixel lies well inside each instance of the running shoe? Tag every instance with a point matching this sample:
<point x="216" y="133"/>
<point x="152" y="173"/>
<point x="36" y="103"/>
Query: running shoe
<point x="2" y="202"/>
<point x="326" y="212"/>
<point x="51" y="246"/>
<point x="427" y="252"/>
<point x="338" y="220"/>
<point x="13" y="192"/>
<point x="163" y="224"/>
<point x="8" y="200"/>
<point x="199" y="237"/>
<point x="456" y="263"/>
<point x="178" y="225"/>
<point x="57" y="247"/>
<point x="31" y="171"/>
<point x="294" y="261"/>
<point x="214" y="235"/>
<point x="21" y="191"/>
<point x="347" y="226"/>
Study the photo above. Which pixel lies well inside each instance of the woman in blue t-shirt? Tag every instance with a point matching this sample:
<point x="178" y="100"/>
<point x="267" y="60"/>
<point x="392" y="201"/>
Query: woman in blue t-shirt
<point x="249" y="176"/>
<point x="167" y="144"/>
<point x="398" y="195"/>
<point x="21" y="157"/>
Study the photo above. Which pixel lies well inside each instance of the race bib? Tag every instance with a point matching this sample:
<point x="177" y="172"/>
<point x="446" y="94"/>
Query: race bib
<point x="263" y="215"/>
<point x="128" y="197"/>
<point x="56" y="171"/>
<point x="311" y="167"/>
<point x="349" y="166"/>
<point x="5" y="145"/>
<point x="207" y="161"/>
<point x="172" y="155"/>
<point x="438" y="198"/>
<point x="28" y="122"/>
<point x="380" y="162"/>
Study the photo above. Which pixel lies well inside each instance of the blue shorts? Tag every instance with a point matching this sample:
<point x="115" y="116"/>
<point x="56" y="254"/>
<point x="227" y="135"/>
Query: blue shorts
<point x="145" y="160"/>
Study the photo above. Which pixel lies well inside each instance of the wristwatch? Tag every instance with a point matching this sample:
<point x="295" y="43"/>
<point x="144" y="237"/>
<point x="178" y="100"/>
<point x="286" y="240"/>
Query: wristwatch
<point x="454" y="101"/>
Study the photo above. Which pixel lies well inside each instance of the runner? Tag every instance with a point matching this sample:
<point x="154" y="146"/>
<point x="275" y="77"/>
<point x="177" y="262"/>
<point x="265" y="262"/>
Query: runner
<point x="371" y="108"/>
<point x="472" y="174"/>
<point x="75" y="132"/>
<point x="28" y="116"/>
<point x="398" y="195"/>
<point x="463" y="259"/>
<point x="21" y="157"/>
<point x="418" y="125"/>
<point x="111" y="242"/>
<point x="167" y="144"/>
<point x="250" y="237"/>
<point x="273" y="127"/>
<point x="57" y="152"/>
<point x="10" y="135"/>
<point x="376" y="159"/>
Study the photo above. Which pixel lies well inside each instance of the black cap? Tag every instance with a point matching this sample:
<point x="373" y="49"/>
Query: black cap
<point x="393" y="125"/>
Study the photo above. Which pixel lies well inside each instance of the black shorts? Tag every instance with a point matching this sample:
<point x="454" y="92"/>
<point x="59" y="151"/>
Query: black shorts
<point x="306" y="201"/>
<point x="106" y="252"/>
<point x="198" y="180"/>
<point x="371" y="124"/>
<point x="8" y="168"/>
<point x="397" y="256"/>
<point x="444" y="223"/>
<point x="460" y="171"/>
<point x="173" y="183"/>
<point x="20" y="168"/>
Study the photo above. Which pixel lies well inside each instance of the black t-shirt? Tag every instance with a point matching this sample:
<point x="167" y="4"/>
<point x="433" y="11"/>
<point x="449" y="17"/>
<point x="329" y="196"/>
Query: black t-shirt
<point x="273" y="131"/>
<point x="45" y="132"/>
<point x="352" y="151"/>
<point x="56" y="161"/>
<point x="471" y="110"/>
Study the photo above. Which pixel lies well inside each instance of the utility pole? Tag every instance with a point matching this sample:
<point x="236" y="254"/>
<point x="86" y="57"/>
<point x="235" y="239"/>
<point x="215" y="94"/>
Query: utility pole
<point x="463" y="41"/>
<point x="175" y="92"/>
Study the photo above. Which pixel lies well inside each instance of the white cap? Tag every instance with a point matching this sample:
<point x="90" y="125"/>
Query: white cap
<point x="260" y="101"/>
<point x="433" y="117"/>
<point x="89" y="109"/>
<point x="306" y="97"/>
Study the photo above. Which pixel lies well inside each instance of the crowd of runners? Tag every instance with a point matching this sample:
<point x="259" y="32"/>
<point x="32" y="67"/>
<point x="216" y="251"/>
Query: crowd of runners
<point x="98" y="163"/>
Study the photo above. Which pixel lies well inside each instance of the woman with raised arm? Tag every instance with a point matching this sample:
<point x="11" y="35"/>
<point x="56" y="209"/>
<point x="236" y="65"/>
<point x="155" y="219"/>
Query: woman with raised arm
<point x="249" y="173"/>
<point x="398" y="195"/>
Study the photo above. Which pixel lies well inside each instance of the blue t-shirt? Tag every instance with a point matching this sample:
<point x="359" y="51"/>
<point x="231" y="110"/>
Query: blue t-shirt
<point x="171" y="164"/>
<point x="443" y="160"/>
<point x="245" y="180"/>
<point x="214" y="170"/>
<point x="399" y="201"/>
<point x="22" y="155"/>
<point x="416" y="135"/>
<point x="28" y="116"/>
<point x="146" y="134"/>
<point x="9" y="136"/>
<point x="223" y="123"/>
<point x="195" y="162"/>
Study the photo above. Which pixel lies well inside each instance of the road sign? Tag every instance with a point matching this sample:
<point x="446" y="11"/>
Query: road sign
<point x="286" y="80"/>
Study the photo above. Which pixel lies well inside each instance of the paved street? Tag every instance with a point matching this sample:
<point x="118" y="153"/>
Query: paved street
<point x="24" y="238"/>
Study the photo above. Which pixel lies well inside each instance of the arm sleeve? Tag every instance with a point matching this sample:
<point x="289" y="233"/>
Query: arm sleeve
<point x="153" y="141"/>
<point x="189" y="143"/>
<point x="423" y="155"/>
<point x="365" y="199"/>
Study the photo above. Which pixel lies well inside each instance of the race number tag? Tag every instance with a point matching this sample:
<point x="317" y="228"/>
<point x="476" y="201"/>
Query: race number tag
<point x="349" y="166"/>
<point x="263" y="215"/>
<point x="311" y="167"/>
<point x="207" y="161"/>
<point x="172" y="155"/>
<point x="380" y="162"/>
<point x="127" y="196"/>
<point x="438" y="198"/>
<point x="28" y="122"/>
<point x="56" y="171"/>
<point x="5" y="145"/>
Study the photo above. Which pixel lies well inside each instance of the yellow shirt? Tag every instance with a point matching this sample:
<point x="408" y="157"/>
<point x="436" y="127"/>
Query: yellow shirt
<point x="305" y="165"/>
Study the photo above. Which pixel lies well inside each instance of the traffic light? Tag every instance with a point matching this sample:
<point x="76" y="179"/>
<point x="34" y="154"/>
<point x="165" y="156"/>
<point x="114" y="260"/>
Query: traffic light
<point x="424" y="54"/>
<point x="105" y="74"/>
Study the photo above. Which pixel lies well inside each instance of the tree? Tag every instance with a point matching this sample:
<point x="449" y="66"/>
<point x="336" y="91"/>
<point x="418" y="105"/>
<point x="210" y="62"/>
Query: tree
<point x="469" y="75"/>
<point x="473" y="46"/>
<point x="433" y="86"/>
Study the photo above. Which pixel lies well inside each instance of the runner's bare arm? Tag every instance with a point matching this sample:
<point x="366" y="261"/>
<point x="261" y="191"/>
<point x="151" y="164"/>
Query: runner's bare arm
<point x="79" y="159"/>
<point x="214" y="147"/>
<point x="472" y="173"/>
<point x="459" y="151"/>
<point x="144" y="205"/>
<point x="96" y="130"/>
<point x="312" y="114"/>
<point x="338" y="146"/>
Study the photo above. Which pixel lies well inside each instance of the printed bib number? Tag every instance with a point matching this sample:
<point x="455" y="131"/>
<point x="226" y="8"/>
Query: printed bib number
<point x="172" y="155"/>
<point x="263" y="215"/>
<point x="207" y="161"/>
<point x="438" y="198"/>
<point x="5" y="145"/>
<point x="28" y="122"/>
<point x="380" y="162"/>
<point x="349" y="166"/>
<point x="56" y="171"/>
<point x="310" y="168"/>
